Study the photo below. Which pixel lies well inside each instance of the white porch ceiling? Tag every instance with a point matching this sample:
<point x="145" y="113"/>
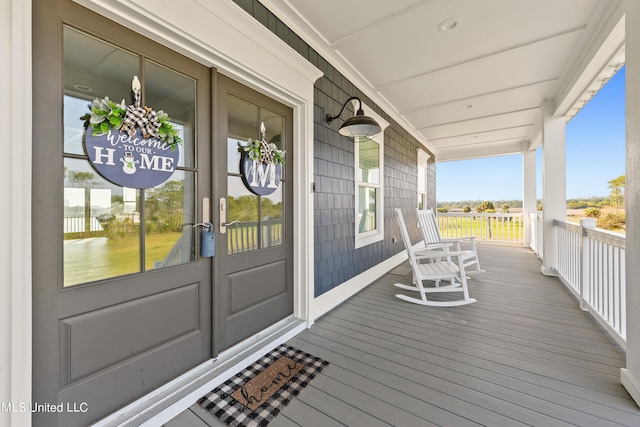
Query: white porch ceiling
<point x="477" y="89"/>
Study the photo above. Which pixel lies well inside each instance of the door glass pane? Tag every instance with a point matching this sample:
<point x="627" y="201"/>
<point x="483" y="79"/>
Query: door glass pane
<point x="169" y="212"/>
<point x="242" y="206"/>
<point x="243" y="124"/>
<point x="175" y="94"/>
<point x="260" y="218"/>
<point x="101" y="226"/>
<point x="272" y="213"/>
<point x="92" y="69"/>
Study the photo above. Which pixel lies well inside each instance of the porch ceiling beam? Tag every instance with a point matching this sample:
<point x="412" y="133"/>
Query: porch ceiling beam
<point x="454" y="154"/>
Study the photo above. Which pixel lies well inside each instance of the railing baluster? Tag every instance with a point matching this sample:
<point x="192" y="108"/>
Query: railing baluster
<point x="596" y="274"/>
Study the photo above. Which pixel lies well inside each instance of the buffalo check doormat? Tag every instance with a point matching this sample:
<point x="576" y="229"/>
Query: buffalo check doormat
<point x="257" y="394"/>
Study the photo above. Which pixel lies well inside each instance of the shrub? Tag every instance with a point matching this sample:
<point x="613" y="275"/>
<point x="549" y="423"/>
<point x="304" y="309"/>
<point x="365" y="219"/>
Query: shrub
<point x="592" y="212"/>
<point x="612" y="221"/>
<point x="466" y="209"/>
<point x="442" y="210"/>
<point x="505" y="208"/>
<point x="484" y="206"/>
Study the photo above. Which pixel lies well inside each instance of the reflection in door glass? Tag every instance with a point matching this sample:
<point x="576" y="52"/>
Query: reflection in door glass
<point x="169" y="220"/>
<point x="271" y="211"/>
<point x="242" y="206"/>
<point x="101" y="226"/>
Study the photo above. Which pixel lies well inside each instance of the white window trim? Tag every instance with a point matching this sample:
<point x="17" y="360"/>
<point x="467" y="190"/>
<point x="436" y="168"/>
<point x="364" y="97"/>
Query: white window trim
<point x="423" y="160"/>
<point x="364" y="239"/>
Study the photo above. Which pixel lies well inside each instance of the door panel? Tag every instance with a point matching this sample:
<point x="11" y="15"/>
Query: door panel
<point x="245" y="293"/>
<point x="102" y="338"/>
<point x="122" y="301"/>
<point x="254" y="268"/>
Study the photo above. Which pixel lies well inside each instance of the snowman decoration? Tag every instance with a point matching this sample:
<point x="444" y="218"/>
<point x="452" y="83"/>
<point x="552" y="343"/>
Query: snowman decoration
<point x="128" y="164"/>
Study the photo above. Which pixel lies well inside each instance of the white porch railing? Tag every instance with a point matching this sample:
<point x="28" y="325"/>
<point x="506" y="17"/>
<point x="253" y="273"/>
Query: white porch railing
<point x="494" y="227"/>
<point x="78" y="225"/>
<point x="591" y="262"/>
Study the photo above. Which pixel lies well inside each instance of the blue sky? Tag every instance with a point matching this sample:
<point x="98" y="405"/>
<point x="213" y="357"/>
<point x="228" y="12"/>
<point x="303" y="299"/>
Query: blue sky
<point x="595" y="155"/>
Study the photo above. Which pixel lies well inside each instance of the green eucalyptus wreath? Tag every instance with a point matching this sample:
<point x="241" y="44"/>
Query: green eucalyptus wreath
<point x="106" y="115"/>
<point x="262" y="151"/>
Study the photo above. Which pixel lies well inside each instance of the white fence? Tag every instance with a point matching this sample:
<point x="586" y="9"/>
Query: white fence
<point x="591" y="262"/>
<point x="78" y="225"/>
<point x="494" y="227"/>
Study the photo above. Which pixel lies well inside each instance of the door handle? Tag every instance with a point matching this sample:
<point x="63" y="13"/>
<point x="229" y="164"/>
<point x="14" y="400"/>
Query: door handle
<point x="223" y="216"/>
<point x="226" y="224"/>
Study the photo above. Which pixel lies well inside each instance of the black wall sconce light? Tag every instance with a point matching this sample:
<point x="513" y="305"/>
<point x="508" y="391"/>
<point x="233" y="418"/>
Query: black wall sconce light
<point x="358" y="125"/>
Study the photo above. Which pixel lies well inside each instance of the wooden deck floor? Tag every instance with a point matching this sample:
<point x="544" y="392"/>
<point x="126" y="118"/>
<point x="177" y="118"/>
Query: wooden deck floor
<point x="524" y="354"/>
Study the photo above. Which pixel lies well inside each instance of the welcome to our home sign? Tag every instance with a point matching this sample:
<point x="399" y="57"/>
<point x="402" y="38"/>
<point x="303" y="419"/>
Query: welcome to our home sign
<point x="131" y="160"/>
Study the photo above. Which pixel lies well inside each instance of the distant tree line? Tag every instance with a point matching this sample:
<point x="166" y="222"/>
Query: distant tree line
<point x="607" y="218"/>
<point x="615" y="199"/>
<point x="579" y="203"/>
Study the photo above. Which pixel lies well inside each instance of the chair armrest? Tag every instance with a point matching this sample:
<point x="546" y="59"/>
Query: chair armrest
<point x="441" y="245"/>
<point x="427" y="254"/>
<point x="471" y="239"/>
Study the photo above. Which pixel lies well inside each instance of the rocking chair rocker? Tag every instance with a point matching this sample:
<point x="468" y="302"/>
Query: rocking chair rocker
<point x="439" y="267"/>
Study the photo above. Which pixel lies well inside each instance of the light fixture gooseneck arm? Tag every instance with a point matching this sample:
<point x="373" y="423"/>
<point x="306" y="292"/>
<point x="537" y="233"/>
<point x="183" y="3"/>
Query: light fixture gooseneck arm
<point x="357" y="126"/>
<point x="331" y="118"/>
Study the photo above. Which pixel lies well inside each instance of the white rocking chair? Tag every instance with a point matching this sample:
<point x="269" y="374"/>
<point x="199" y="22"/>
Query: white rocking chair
<point x="433" y="240"/>
<point x="439" y="268"/>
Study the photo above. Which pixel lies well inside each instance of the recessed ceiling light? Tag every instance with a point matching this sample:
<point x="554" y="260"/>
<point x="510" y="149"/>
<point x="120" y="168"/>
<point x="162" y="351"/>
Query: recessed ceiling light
<point x="83" y="88"/>
<point x="448" y="24"/>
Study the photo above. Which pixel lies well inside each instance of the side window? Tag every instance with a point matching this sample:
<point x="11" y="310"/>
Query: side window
<point x="423" y="158"/>
<point x="111" y="230"/>
<point x="369" y="186"/>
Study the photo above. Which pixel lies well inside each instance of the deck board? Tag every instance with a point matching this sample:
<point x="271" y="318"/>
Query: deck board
<point x="524" y="354"/>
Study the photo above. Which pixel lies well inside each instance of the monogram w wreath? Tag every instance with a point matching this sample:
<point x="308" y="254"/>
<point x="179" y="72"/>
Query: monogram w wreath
<point x="261" y="164"/>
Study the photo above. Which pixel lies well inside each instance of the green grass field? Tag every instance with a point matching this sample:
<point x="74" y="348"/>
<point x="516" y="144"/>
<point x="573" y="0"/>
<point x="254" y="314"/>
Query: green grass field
<point x="87" y="260"/>
<point x="482" y="227"/>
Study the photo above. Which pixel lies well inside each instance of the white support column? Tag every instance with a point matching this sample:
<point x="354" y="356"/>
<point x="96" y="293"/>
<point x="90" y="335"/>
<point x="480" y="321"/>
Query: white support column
<point x="630" y="377"/>
<point x="15" y="192"/>
<point x="554" y="191"/>
<point x="528" y="191"/>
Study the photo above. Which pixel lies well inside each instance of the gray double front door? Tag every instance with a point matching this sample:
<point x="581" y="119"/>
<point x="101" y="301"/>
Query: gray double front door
<point x="124" y="300"/>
